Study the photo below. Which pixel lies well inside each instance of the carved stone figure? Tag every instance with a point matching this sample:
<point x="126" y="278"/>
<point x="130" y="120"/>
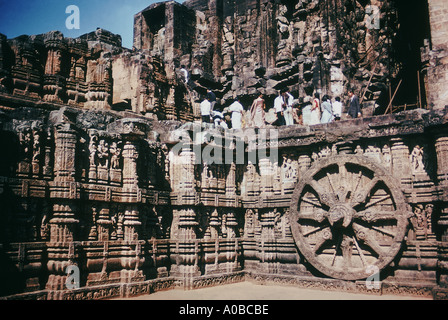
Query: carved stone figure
<point x="387" y="157"/>
<point x="416" y="158"/>
<point x="115" y="151"/>
<point x="44" y="228"/>
<point x="103" y="154"/>
<point x="429" y="211"/>
<point x="37" y="150"/>
<point x="419" y="222"/>
<point x="25" y="141"/>
<point x="93" y="148"/>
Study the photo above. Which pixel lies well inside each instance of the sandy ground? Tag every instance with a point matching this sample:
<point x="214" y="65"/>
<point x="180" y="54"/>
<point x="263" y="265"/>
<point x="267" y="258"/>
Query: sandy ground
<point x="250" y="291"/>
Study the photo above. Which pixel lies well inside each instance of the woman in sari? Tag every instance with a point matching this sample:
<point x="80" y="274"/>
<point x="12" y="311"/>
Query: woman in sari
<point x="315" y="110"/>
<point x="327" y="110"/>
<point x="257" y="112"/>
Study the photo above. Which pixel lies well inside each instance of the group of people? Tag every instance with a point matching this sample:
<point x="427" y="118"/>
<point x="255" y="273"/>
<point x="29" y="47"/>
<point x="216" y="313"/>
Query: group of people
<point x="312" y="111"/>
<point x="326" y="111"/>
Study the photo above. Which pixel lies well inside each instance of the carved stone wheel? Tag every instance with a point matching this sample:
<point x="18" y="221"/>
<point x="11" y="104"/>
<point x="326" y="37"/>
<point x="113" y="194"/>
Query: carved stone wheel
<point x="347" y="215"/>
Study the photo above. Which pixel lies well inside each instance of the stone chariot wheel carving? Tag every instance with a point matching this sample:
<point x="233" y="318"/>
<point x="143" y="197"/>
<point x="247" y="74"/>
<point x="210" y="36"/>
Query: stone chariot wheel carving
<point x="347" y="215"/>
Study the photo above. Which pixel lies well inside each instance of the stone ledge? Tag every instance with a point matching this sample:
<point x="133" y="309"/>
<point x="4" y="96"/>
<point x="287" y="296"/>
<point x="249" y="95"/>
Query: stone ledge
<point x="129" y="290"/>
<point x="408" y="289"/>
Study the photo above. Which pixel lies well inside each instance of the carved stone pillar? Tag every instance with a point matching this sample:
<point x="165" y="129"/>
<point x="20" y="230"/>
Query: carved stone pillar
<point x="266" y="176"/>
<point x="64" y="222"/>
<point x="132" y="131"/>
<point x="130" y="156"/>
<point x="231" y="225"/>
<point x="186" y="170"/>
<point x="185" y="257"/>
<point x="267" y="221"/>
<point x="267" y="247"/>
<point x="401" y="167"/>
<point x="64" y="167"/>
<point x="61" y="248"/>
<point x="215" y="225"/>
<point x="250" y="242"/>
<point x="76" y="86"/>
<point x="441" y="145"/>
<point x="231" y="180"/>
<point x="104" y="225"/>
<point x="99" y="77"/>
<point x="53" y="81"/>
<point x="443" y="223"/>
<point x="131" y="223"/>
<point x="187" y="224"/>
<point x="26" y="73"/>
<point x="442" y="158"/>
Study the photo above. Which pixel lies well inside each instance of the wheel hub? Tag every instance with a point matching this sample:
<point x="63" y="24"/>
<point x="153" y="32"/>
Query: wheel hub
<point x="341" y="215"/>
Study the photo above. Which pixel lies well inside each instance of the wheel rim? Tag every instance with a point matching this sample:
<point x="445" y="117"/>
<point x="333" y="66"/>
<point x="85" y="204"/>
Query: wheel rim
<point x="348" y="214"/>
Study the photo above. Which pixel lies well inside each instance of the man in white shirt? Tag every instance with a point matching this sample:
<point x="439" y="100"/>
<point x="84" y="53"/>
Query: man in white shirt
<point x="237" y="110"/>
<point x="337" y="109"/>
<point x="206" y="109"/>
<point x="279" y="107"/>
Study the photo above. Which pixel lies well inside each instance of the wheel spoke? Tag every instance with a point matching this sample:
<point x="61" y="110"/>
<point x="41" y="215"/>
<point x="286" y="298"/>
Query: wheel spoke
<point x="318" y="216"/>
<point x="347" y="251"/>
<point x="358" y="180"/>
<point x="336" y="250"/>
<point x="312" y="202"/>
<point x="361" y="254"/>
<point x="361" y="197"/>
<point x="330" y="183"/>
<point x="325" y="198"/>
<point x="371" y="204"/>
<point x="364" y="235"/>
<point x="387" y="233"/>
<point x="314" y="231"/>
<point x="375" y="215"/>
<point x="343" y="177"/>
<point x="326" y="236"/>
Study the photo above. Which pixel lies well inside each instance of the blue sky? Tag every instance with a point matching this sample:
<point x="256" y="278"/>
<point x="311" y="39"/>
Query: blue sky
<point x="18" y="17"/>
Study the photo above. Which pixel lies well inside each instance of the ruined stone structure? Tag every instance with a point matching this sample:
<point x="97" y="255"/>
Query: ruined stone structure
<point x="105" y="167"/>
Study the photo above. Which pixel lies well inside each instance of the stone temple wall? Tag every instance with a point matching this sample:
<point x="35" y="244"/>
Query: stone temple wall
<point x="92" y="72"/>
<point x="242" y="48"/>
<point x="437" y="57"/>
<point x="236" y="48"/>
<point x="117" y="180"/>
<point x="245" y="47"/>
<point x="132" y="204"/>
